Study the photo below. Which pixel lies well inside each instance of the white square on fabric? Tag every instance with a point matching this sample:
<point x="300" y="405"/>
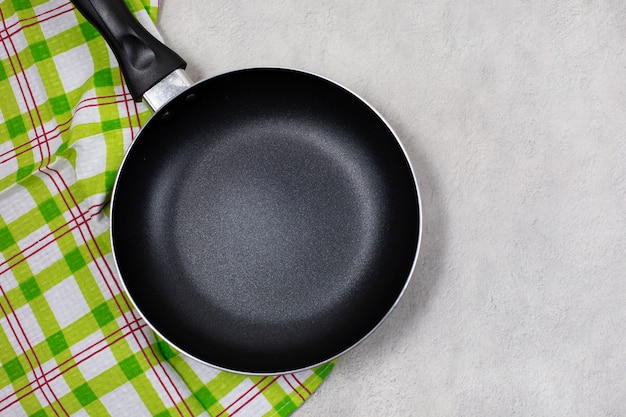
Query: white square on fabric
<point x="16" y="202"/>
<point x="28" y="325"/>
<point x="139" y="338"/>
<point x="86" y="112"/>
<point x="51" y="21"/>
<point x="74" y="66"/>
<point x="28" y="90"/>
<point x="95" y="365"/>
<point x="124" y="401"/>
<point x="259" y="406"/>
<point x="40" y="249"/>
<point x="90" y="156"/>
<point x="67" y="302"/>
<point x="36" y="90"/>
<point x="57" y="177"/>
<point x="88" y="346"/>
<point x="7" y="396"/>
<point x="58" y="385"/>
<point x="205" y="372"/>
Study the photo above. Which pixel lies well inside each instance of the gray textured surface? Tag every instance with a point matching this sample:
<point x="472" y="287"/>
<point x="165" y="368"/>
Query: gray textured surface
<point x="514" y="116"/>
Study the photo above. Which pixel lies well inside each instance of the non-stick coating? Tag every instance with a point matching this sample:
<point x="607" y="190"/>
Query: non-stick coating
<point x="265" y="221"/>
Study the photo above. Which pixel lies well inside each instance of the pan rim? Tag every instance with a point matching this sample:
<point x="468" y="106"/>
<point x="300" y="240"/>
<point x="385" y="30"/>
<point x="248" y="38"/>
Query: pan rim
<point x="420" y="221"/>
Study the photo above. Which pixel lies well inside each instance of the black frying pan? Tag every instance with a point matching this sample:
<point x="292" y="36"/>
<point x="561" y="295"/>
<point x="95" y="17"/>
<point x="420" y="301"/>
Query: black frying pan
<point x="264" y="220"/>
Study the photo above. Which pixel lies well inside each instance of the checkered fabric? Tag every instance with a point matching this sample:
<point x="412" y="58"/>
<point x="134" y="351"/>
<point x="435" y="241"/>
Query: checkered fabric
<point x="70" y="341"/>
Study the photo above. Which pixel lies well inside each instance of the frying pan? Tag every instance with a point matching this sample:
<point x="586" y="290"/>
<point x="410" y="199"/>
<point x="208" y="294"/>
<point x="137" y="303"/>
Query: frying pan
<point x="264" y="220"/>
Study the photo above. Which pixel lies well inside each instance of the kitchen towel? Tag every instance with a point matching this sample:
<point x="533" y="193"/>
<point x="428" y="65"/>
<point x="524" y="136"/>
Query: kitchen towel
<point x="70" y="341"/>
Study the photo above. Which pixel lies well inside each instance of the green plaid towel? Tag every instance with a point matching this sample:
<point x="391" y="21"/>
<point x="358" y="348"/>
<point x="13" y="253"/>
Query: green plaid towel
<point x="70" y="341"/>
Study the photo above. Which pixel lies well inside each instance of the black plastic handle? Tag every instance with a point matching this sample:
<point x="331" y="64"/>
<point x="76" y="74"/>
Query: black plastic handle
<point x="144" y="60"/>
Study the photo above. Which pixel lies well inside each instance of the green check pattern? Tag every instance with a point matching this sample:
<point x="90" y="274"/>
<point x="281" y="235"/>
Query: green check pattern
<point x="70" y="341"/>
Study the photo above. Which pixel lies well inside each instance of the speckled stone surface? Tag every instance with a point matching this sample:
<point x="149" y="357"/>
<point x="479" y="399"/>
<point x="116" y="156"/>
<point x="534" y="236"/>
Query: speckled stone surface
<point x="513" y="114"/>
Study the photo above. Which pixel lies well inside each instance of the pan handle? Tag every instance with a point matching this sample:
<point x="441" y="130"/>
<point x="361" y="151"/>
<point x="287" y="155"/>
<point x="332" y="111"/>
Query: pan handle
<point x="144" y="60"/>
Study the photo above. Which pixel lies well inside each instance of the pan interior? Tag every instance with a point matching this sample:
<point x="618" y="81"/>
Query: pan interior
<point x="266" y="221"/>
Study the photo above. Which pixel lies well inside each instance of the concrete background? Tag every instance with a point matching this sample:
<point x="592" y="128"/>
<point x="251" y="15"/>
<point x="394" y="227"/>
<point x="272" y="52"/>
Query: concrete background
<point x="514" y="117"/>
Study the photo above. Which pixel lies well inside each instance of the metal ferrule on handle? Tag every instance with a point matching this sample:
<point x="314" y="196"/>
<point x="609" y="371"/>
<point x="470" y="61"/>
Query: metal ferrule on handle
<point x="166" y="89"/>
